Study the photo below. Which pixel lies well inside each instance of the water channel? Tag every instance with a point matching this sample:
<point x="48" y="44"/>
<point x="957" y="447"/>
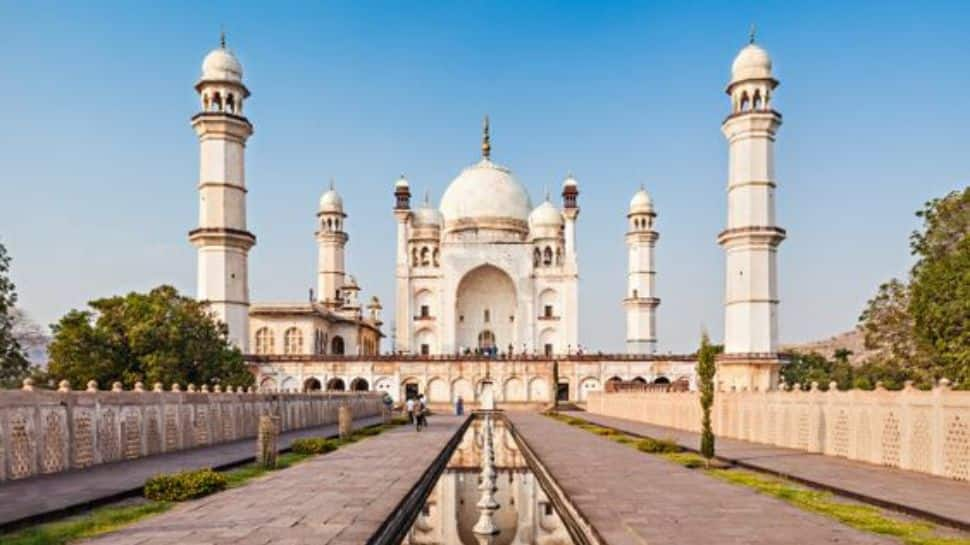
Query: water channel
<point x="488" y="495"/>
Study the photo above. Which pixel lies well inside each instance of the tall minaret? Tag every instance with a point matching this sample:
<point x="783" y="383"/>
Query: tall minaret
<point x="331" y="240"/>
<point x="222" y="239"/>
<point x="751" y="239"/>
<point x="402" y="307"/>
<point x="640" y="302"/>
<point x="570" y="212"/>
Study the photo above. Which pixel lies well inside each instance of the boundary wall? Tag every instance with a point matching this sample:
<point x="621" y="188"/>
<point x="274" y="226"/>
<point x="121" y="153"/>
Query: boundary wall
<point x="43" y="432"/>
<point x="926" y="431"/>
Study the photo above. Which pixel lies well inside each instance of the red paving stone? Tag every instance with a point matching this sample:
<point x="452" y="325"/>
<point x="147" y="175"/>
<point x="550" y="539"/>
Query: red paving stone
<point x="938" y="498"/>
<point x="635" y="498"/>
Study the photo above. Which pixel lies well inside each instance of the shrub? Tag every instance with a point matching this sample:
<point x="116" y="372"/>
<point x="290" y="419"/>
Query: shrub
<point x="605" y="431"/>
<point x="185" y="485"/>
<point x="399" y="421"/>
<point x="313" y="445"/>
<point x="657" y="446"/>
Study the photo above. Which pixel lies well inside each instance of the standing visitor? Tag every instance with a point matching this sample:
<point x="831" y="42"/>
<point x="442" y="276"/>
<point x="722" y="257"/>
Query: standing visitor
<point x="420" y="413"/>
<point x="459" y="406"/>
<point x="409" y="405"/>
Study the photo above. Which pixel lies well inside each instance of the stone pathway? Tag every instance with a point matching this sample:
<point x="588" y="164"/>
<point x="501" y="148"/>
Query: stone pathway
<point x="636" y="498"/>
<point x="46" y="494"/>
<point x="339" y="498"/>
<point x="937" y="498"/>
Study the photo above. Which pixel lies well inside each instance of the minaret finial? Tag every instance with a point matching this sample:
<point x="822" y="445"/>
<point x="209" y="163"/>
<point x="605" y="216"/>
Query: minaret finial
<point x="486" y="140"/>
<point x="752" y="33"/>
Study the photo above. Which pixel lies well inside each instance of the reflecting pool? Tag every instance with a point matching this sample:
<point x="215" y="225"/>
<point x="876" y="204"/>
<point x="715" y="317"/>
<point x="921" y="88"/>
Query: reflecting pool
<point x="487" y="495"/>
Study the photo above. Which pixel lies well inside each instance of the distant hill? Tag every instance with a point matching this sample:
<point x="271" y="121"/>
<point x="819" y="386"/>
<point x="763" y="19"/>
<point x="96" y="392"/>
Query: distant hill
<point x="853" y="340"/>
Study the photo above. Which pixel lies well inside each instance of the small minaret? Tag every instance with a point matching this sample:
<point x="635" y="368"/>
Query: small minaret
<point x="640" y="301"/>
<point x="331" y="240"/>
<point x="222" y="239"/>
<point x="402" y="309"/>
<point x="750" y="241"/>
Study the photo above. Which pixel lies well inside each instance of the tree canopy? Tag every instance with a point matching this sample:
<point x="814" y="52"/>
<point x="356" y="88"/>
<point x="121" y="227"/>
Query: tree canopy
<point x="14" y="365"/>
<point x="921" y="328"/>
<point x="160" y="336"/>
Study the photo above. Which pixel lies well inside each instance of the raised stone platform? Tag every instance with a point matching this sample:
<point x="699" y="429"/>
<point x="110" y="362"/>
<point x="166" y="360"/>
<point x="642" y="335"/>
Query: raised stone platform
<point x="341" y="498"/>
<point x="45" y="495"/>
<point x="632" y="498"/>
<point x="936" y="498"/>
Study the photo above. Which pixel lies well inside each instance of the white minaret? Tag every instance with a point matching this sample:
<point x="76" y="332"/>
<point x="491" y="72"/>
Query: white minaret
<point x="751" y="239"/>
<point x="641" y="302"/>
<point x="402" y="309"/>
<point x="570" y="212"/>
<point x="331" y="240"/>
<point x="222" y="239"/>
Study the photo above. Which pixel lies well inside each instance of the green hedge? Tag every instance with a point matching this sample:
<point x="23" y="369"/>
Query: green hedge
<point x="314" y="445"/>
<point x="663" y="446"/>
<point x="185" y="485"/>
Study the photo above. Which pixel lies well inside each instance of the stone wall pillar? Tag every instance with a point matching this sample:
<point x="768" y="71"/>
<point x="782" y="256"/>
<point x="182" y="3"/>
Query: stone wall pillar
<point x="267" y="441"/>
<point x="345" y="421"/>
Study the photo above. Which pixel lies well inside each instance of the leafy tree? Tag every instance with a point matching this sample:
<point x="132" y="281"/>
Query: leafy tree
<point x="706" y="369"/>
<point x="940" y="306"/>
<point x="946" y="223"/>
<point x="160" y="336"/>
<point x="888" y="325"/>
<point x="804" y="369"/>
<point x="14" y="366"/>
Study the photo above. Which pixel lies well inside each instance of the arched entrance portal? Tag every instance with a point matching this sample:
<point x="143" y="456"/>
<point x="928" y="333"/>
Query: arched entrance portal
<point x="486" y="340"/>
<point x="485" y="306"/>
<point x="311" y="385"/>
<point x="336" y="385"/>
<point x="359" y="385"/>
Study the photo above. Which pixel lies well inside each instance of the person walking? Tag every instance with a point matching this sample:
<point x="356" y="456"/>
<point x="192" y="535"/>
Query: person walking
<point x="420" y="413"/>
<point x="409" y="406"/>
<point x="459" y="406"/>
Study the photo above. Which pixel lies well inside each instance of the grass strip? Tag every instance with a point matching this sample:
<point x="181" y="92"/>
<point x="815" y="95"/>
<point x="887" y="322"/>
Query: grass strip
<point x="859" y="516"/>
<point x="95" y="522"/>
<point x="113" y="517"/>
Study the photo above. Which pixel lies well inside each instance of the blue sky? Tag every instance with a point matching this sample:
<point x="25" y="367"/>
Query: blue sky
<point x="98" y="163"/>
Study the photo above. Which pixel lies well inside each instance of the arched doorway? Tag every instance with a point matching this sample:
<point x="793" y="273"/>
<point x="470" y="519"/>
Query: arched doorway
<point x="337" y="345"/>
<point x="311" y="385"/>
<point x="359" y="385"/>
<point x="486" y="340"/>
<point x="336" y="385"/>
<point x="485" y="307"/>
<point x="639" y="380"/>
<point x="661" y="380"/>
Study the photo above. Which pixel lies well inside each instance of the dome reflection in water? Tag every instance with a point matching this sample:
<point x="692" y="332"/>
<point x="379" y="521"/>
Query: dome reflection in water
<point x="524" y="516"/>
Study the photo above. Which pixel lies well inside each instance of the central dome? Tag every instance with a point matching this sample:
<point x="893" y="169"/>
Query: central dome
<point x="485" y="191"/>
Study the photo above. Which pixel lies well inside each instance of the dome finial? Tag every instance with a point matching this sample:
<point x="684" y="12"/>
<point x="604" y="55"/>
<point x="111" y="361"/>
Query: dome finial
<point x="222" y="37"/>
<point x="427" y="197"/>
<point x="751" y="33"/>
<point x="547" y="193"/>
<point x="331" y="183"/>
<point x="486" y="140"/>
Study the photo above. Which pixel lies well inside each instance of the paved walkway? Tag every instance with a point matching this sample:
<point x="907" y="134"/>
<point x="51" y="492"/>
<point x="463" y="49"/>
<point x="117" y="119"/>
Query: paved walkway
<point x="47" y="494"/>
<point x="634" y="498"/>
<point x="339" y="498"/>
<point x="944" y="500"/>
